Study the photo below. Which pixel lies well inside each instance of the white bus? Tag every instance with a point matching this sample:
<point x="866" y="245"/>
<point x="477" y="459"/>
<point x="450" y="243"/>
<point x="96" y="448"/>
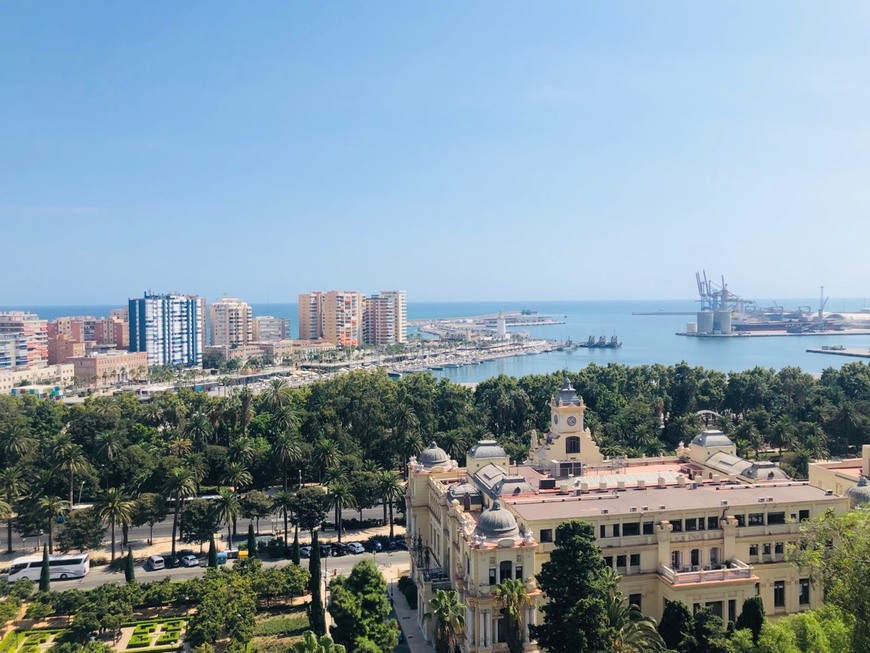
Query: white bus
<point x="62" y="567"/>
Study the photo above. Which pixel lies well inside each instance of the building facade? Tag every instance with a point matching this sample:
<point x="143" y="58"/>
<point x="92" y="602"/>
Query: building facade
<point x="342" y="318"/>
<point x="28" y="344"/>
<point x="379" y="321"/>
<point x="54" y="375"/>
<point x="271" y="329"/>
<point x="675" y="528"/>
<point x="169" y="328"/>
<point x="400" y="314"/>
<point x="231" y="323"/>
<point x="311" y="315"/>
<point x="101" y="370"/>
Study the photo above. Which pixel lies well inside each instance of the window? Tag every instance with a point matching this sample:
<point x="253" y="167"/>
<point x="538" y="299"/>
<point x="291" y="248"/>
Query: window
<point x="756" y="519"/>
<point x="602" y="531"/>
<point x="630" y="529"/>
<point x="775" y="518"/>
<point x="692" y="524"/>
<point x="572" y="444"/>
<point x="647" y="528"/>
<point x="518" y="572"/>
<point x="712" y="523"/>
<point x="753" y="549"/>
<point x="765" y="549"/>
<point x="505" y="570"/>
<point x="546" y="535"/>
<point x="616" y="530"/>
<point x="678" y="525"/>
<point x="635" y="599"/>
<point x="779" y="593"/>
<point x="804" y="584"/>
<point x="696" y="557"/>
<point x="634" y="560"/>
<point x="608" y="561"/>
<point x="803" y="515"/>
<point x="621" y="560"/>
<point x="779" y="548"/>
<point x="757" y="589"/>
<point x="492" y="575"/>
<point x="732" y="610"/>
<point x="716" y="607"/>
<point x="741" y="520"/>
<point x="714" y="555"/>
<point x="676" y="560"/>
<point x="501" y="631"/>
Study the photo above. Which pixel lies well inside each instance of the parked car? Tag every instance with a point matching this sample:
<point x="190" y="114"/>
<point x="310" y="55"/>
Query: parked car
<point x="355" y="548"/>
<point x="305" y="552"/>
<point x="374" y="546"/>
<point x="190" y="561"/>
<point x="155" y="563"/>
<point x="337" y="550"/>
<point x="172" y="562"/>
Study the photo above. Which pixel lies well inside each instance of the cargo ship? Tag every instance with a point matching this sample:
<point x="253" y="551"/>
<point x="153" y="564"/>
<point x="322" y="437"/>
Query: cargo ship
<point x="601" y="343"/>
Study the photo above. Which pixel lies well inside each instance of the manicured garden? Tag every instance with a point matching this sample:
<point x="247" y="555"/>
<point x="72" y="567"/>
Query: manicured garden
<point x="151" y="636"/>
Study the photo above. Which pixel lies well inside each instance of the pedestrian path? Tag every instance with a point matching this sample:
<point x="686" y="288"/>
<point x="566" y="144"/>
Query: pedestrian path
<point x="408" y="622"/>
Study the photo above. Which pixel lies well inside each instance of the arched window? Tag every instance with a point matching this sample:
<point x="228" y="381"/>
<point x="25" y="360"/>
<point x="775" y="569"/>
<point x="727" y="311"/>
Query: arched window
<point x="572" y="444"/>
<point x="504" y="571"/>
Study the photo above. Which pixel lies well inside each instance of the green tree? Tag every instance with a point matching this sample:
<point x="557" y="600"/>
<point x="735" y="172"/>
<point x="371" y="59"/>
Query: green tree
<point x="149" y="508"/>
<point x="835" y="551"/>
<point x="212" y="554"/>
<point x="198" y="522"/>
<point x="45" y="571"/>
<point x="257" y="505"/>
<point x="13" y="486"/>
<point x="252" y="542"/>
<point x="50" y="509"/>
<point x="339" y="497"/>
<point x="706" y="636"/>
<point x="311" y="643"/>
<point x="513" y="598"/>
<point x="360" y="610"/>
<point x="228" y="509"/>
<point x="283" y="503"/>
<point x="634" y="633"/>
<point x="316" y="615"/>
<point x="70" y="458"/>
<point x="752" y="617"/>
<point x="449" y="615"/>
<point x="83" y="529"/>
<point x="179" y="485"/>
<point x="577" y="590"/>
<point x="676" y="623"/>
<point x="115" y="508"/>
<point x="392" y="488"/>
<point x="310" y="508"/>
<point x="130" y="566"/>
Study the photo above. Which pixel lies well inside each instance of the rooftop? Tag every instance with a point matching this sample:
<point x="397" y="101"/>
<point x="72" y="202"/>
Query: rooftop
<point x="709" y="497"/>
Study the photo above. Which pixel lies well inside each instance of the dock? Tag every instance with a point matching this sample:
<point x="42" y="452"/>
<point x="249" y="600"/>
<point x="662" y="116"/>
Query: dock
<point x="778" y="334"/>
<point x="846" y="351"/>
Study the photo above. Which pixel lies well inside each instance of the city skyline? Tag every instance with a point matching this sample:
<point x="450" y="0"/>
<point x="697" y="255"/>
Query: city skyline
<point x="580" y="151"/>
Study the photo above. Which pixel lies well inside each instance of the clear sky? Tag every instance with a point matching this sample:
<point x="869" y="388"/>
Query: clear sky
<point x="458" y="150"/>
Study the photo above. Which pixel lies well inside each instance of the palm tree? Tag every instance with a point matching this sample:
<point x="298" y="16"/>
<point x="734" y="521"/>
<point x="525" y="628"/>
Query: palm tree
<point x="50" y="508"/>
<point x="246" y="399"/>
<point x="286" y="451"/>
<point x="513" y="598"/>
<point x="179" y="485"/>
<point x="70" y="458"/>
<point x="198" y="429"/>
<point x="326" y="454"/>
<point x="242" y="449"/>
<point x="338" y="498"/>
<point x="782" y="433"/>
<point x="276" y="395"/>
<point x="198" y="466"/>
<point x="392" y="488"/>
<point x="16" y="442"/>
<point x="115" y="508"/>
<point x="634" y="633"/>
<point x="449" y="615"/>
<point x="283" y="502"/>
<point x="237" y="475"/>
<point x="228" y="508"/>
<point x="284" y="418"/>
<point x="179" y="446"/>
<point x="108" y="445"/>
<point x="14" y="486"/>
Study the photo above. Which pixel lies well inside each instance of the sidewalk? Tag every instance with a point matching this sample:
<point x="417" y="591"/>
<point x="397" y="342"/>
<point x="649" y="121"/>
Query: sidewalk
<point x="407" y="620"/>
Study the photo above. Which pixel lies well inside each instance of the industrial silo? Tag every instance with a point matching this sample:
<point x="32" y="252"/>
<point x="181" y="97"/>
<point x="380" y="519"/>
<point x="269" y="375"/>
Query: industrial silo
<point x="705" y="321"/>
<point x="723" y="320"/>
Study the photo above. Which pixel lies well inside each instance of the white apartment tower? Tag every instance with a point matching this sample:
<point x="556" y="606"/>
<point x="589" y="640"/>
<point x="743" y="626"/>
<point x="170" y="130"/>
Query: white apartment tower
<point x="231" y="323"/>
<point x="271" y="329"/>
<point x="400" y="313"/>
<point x="169" y="328"/>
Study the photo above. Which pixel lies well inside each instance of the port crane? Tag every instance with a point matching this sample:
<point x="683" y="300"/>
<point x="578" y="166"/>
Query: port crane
<point x="716" y="297"/>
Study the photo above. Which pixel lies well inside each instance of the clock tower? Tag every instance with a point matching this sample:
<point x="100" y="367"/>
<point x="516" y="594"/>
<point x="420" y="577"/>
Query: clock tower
<point x="568" y="439"/>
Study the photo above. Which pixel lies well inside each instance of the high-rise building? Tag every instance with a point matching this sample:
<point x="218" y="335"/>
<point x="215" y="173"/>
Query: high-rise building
<point x="231" y="324"/>
<point x="311" y="315"/>
<point x="28" y="329"/>
<point x="271" y="329"/>
<point x="342" y="317"/>
<point x="379" y="321"/>
<point x="169" y="328"/>
<point x="400" y="314"/>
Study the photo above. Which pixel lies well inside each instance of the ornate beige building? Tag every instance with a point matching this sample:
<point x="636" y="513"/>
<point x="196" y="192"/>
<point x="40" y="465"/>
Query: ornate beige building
<point x="705" y="527"/>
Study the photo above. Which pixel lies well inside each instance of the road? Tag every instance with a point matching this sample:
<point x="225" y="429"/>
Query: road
<point x="392" y="560"/>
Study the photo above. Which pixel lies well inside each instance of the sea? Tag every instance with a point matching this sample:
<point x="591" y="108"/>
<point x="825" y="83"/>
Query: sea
<point x="647" y="339"/>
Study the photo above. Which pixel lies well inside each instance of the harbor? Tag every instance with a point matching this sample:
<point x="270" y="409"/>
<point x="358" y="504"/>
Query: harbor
<point x="840" y="350"/>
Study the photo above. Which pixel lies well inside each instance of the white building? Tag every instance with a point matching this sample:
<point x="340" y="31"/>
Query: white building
<point x="271" y="329"/>
<point x="231" y="323"/>
<point x="169" y="328"/>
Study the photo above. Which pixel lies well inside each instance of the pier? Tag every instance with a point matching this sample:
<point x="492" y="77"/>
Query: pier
<point x="854" y="352"/>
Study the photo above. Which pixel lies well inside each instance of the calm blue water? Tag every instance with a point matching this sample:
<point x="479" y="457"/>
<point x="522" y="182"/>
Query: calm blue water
<point x="647" y="339"/>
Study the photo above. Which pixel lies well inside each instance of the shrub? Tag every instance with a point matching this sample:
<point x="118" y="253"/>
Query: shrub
<point x="99" y="561"/>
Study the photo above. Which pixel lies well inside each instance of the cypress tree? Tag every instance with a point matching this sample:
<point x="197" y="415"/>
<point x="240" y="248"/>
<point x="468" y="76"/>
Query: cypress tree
<point x="129" y="566"/>
<point x="294" y="551"/>
<point x="317" y="616"/>
<point x="252" y="542"/>
<point x="45" y="571"/>
<point x="212" y="553"/>
<point x="752" y="617"/>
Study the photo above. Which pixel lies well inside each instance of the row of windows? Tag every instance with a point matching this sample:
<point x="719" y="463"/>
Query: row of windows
<point x="633" y="560"/>
<point x="503" y="573"/>
<point x="778" y="548"/>
<point x="779" y="592"/>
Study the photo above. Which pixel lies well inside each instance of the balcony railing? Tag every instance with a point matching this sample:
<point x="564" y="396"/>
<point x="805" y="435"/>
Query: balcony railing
<point x="438" y="577"/>
<point x="734" y="570"/>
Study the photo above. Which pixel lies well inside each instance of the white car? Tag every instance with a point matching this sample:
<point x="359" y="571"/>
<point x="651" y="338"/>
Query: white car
<point x="190" y="561"/>
<point x="356" y="548"/>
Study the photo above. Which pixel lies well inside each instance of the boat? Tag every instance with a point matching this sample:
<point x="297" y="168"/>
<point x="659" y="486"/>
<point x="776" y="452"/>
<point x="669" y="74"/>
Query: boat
<point x="601" y="343"/>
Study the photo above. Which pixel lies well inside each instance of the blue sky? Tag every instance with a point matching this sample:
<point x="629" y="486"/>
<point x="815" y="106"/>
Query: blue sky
<point x="461" y="151"/>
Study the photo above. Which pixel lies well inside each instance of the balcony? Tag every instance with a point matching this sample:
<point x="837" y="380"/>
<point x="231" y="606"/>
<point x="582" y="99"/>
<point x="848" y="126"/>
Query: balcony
<point x="733" y="570"/>
<point x="438" y="578"/>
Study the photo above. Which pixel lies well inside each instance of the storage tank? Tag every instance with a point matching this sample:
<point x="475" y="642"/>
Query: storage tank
<point x="691" y="327"/>
<point x="705" y="322"/>
<point x="723" y="319"/>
